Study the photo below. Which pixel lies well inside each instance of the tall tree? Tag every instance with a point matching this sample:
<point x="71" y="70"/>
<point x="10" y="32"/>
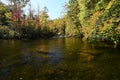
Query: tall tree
<point x="72" y="15"/>
<point x="16" y="7"/>
<point x="5" y="15"/>
<point x="44" y="18"/>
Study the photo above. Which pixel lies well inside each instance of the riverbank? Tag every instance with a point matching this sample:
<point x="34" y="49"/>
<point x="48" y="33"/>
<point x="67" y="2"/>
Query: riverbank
<point x="109" y="44"/>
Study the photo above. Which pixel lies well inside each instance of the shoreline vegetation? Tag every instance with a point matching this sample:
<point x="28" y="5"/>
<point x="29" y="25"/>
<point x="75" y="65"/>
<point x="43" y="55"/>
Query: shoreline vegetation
<point x="92" y="21"/>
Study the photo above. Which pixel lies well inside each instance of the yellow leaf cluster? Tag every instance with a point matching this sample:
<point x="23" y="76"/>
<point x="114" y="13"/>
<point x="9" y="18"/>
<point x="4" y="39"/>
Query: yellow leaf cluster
<point x="8" y="15"/>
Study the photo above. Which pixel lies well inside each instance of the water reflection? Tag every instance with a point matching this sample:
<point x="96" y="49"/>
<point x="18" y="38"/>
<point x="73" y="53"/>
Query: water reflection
<point x="58" y="59"/>
<point x="55" y="55"/>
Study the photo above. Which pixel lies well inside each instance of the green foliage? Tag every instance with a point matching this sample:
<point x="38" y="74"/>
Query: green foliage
<point x="111" y="14"/>
<point x="11" y="34"/>
<point x="5" y="15"/>
<point x="111" y="10"/>
<point x="83" y="10"/>
<point x="30" y="26"/>
<point x="72" y="21"/>
<point x="6" y="32"/>
<point x="100" y="19"/>
<point x="111" y="35"/>
<point x="44" y="19"/>
<point x="96" y="20"/>
<point x="101" y="4"/>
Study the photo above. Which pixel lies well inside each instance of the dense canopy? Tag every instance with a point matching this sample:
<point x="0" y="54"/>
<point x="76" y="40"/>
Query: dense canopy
<point x="92" y="20"/>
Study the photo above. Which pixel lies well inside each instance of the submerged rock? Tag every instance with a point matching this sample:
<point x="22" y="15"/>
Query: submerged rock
<point x="42" y="52"/>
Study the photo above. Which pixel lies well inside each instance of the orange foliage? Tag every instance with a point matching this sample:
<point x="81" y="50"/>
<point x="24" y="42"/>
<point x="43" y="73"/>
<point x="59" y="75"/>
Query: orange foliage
<point x="89" y="25"/>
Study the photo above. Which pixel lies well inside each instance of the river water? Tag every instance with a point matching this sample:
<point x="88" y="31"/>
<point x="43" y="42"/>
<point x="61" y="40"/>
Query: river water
<point x="58" y="59"/>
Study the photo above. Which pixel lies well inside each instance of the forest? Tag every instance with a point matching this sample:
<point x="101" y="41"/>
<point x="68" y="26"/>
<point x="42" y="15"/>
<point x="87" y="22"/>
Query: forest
<point x="90" y="20"/>
<point x="81" y="44"/>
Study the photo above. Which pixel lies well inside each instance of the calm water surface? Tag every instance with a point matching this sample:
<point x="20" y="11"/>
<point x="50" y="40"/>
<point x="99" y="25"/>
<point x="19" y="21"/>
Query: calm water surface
<point x="58" y="59"/>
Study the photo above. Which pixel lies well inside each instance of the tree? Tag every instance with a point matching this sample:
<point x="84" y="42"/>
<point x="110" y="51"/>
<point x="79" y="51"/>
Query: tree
<point x="16" y="7"/>
<point x="44" y="18"/>
<point x="72" y="18"/>
<point x="21" y="2"/>
<point x="5" y="14"/>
